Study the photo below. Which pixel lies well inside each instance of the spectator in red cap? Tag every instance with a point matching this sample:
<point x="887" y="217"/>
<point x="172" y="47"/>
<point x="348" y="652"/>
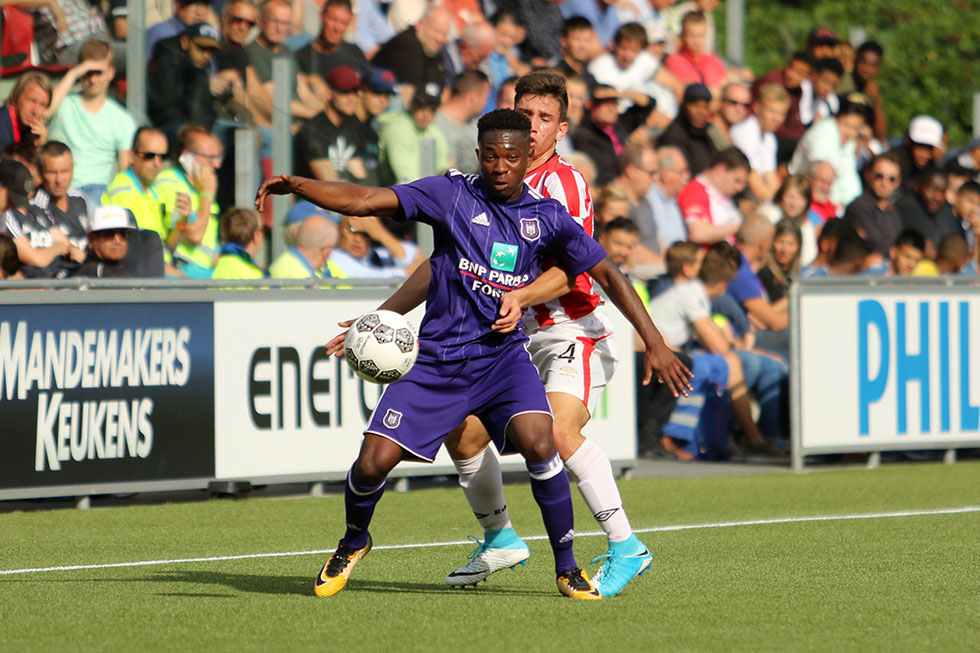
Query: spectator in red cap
<point x="331" y="145"/>
<point x="822" y="43"/>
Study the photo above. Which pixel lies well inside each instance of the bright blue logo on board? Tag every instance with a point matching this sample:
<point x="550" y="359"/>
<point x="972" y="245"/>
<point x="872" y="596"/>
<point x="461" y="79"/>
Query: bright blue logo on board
<point x="914" y="367"/>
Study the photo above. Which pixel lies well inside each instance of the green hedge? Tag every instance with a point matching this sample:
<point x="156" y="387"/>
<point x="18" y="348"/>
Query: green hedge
<point x="932" y="50"/>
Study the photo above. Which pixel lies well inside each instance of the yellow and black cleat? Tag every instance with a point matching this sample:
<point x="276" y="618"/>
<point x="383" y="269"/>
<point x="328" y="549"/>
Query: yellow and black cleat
<point x="336" y="571"/>
<point x="574" y="584"/>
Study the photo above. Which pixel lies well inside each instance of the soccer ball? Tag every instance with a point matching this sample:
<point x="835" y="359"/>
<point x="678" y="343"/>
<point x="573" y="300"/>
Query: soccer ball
<point x="381" y="347"/>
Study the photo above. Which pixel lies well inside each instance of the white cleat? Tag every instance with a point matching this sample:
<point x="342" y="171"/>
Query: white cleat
<point x="485" y="560"/>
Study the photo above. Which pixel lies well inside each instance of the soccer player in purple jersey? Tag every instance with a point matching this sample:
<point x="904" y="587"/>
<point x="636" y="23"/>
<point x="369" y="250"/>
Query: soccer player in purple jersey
<point x="491" y="233"/>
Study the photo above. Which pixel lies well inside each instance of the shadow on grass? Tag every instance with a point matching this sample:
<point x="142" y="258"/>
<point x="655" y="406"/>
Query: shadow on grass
<point x="303" y="585"/>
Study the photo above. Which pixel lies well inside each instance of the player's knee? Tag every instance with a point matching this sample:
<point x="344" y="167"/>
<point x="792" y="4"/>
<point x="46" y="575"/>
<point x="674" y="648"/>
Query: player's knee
<point x="370" y="471"/>
<point x="537" y="445"/>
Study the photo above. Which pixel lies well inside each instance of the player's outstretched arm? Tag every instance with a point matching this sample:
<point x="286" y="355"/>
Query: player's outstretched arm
<point x="339" y="196"/>
<point x="659" y="358"/>
<point x="553" y="282"/>
<point x="408" y="296"/>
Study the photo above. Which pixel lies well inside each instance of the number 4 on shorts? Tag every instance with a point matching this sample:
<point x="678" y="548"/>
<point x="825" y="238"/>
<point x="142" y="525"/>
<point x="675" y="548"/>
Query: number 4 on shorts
<point x="568" y="354"/>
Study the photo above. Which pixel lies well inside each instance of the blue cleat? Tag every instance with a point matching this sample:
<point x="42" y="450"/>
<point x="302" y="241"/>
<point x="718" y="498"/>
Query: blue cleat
<point x="502" y="549"/>
<point x="625" y="561"/>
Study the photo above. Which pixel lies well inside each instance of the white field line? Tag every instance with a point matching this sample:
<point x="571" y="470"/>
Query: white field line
<point x="427" y="545"/>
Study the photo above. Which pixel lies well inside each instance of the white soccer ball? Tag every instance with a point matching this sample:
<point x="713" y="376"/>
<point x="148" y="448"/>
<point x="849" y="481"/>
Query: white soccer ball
<point x="381" y="346"/>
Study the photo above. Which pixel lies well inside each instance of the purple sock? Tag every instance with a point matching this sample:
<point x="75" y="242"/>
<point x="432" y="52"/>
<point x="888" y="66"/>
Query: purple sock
<point x="359" y="503"/>
<point x="549" y="485"/>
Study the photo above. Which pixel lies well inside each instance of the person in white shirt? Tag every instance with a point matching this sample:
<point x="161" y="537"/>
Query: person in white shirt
<point x="756" y="138"/>
<point x="630" y="68"/>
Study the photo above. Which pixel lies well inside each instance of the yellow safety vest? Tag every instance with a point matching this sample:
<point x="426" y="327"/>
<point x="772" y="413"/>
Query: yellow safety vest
<point x="127" y="191"/>
<point x="168" y="183"/>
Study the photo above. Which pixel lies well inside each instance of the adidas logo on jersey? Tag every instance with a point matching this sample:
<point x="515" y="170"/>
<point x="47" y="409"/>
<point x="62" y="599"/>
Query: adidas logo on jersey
<point x="481" y="219"/>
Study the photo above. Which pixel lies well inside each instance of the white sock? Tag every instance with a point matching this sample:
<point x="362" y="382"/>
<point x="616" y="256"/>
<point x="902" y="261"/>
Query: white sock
<point x="484" y="489"/>
<point x="592" y="471"/>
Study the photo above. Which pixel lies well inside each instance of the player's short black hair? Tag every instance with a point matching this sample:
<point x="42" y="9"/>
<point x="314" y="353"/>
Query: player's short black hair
<point x="503" y="120"/>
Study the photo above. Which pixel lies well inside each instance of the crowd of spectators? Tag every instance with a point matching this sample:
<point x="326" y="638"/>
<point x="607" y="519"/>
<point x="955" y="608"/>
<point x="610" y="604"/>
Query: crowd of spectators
<point x="714" y="186"/>
<point x="682" y="142"/>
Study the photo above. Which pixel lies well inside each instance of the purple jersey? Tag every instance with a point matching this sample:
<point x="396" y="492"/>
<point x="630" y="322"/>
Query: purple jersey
<point x="482" y="250"/>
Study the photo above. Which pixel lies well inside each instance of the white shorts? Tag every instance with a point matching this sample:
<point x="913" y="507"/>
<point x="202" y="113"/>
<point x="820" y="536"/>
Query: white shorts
<point x="577" y="358"/>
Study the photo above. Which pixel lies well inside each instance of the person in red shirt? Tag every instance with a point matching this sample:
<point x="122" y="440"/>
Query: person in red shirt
<point x="706" y="201"/>
<point x="692" y="63"/>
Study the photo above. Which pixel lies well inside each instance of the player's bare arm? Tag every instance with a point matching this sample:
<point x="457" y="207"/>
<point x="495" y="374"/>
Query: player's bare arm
<point x="659" y="358"/>
<point x="342" y="197"/>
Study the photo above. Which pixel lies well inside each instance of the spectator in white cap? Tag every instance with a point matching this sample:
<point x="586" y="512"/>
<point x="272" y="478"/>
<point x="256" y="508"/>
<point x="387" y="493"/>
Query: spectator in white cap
<point x="921" y="150"/>
<point x="108" y="243"/>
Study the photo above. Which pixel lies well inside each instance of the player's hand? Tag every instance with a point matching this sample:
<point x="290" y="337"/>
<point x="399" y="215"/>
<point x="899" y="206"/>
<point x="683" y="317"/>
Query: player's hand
<point x="669" y="369"/>
<point x="336" y="345"/>
<point x="280" y="185"/>
<point x="510" y="314"/>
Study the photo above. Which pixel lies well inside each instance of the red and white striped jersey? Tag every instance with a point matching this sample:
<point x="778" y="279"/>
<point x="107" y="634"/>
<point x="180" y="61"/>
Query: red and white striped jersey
<point x="557" y="179"/>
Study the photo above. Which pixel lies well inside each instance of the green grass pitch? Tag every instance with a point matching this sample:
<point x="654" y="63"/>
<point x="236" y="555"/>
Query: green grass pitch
<point x="907" y="583"/>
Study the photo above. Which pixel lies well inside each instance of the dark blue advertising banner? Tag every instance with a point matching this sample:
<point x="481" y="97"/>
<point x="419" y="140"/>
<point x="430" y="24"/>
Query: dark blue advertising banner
<point x="104" y="393"/>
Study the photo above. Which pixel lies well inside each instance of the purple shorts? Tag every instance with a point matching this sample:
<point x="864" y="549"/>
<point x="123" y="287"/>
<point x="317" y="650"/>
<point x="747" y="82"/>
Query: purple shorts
<point x="419" y="411"/>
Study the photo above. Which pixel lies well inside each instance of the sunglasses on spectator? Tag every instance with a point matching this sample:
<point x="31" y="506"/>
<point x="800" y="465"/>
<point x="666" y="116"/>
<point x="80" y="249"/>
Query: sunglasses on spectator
<point x="242" y="21"/>
<point x="891" y="178"/>
<point x="112" y="234"/>
<point x="744" y="105"/>
<point x="149" y="156"/>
